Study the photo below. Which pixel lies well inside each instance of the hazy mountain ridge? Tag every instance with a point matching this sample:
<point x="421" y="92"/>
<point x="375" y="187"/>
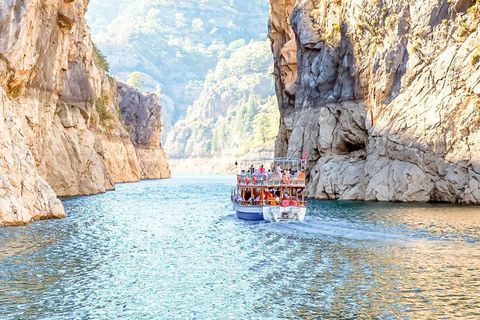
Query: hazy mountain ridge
<point x="236" y="113"/>
<point x="174" y="43"/>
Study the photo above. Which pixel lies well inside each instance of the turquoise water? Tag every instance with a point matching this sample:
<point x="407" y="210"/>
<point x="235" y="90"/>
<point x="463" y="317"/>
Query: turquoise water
<point x="173" y="249"/>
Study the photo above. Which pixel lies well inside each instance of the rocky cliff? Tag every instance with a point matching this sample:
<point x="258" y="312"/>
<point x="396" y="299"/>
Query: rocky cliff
<point x="142" y="115"/>
<point x="61" y="124"/>
<point x="384" y="95"/>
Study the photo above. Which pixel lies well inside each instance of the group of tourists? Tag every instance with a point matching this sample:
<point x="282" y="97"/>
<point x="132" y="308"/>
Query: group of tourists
<point x="261" y="174"/>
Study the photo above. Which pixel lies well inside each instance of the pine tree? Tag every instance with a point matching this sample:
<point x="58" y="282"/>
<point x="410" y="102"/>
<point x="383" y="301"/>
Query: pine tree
<point x="214" y="142"/>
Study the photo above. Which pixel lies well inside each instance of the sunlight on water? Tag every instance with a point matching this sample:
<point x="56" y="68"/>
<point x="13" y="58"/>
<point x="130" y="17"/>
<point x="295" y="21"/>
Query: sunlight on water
<point x="174" y="249"/>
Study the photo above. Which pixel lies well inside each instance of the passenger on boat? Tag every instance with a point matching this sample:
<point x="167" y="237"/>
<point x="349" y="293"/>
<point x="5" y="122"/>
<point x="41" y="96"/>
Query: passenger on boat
<point x="293" y="201"/>
<point x="277" y="193"/>
<point x="252" y="169"/>
<point x="261" y="170"/>
<point x="279" y="169"/>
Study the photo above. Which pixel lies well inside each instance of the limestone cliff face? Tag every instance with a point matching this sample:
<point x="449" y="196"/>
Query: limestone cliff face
<point x="24" y="194"/>
<point x="384" y="95"/>
<point x="48" y="68"/>
<point x="131" y="134"/>
<point x="142" y="116"/>
<point x="59" y="108"/>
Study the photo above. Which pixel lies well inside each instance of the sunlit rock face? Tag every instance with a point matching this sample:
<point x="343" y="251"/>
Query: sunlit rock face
<point x="24" y="194"/>
<point x="384" y="95"/>
<point x="59" y="112"/>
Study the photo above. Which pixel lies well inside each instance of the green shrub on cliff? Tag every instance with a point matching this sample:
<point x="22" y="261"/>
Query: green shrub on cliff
<point x="475" y="57"/>
<point x="101" y="105"/>
<point x="100" y="59"/>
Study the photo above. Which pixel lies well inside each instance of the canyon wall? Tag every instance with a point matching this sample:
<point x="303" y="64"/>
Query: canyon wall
<point x="142" y="115"/>
<point x="383" y="94"/>
<point x="64" y="131"/>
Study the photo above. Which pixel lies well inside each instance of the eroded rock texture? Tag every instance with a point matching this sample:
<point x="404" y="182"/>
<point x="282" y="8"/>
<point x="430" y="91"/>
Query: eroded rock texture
<point x="60" y="112"/>
<point x="24" y="194"/>
<point x="384" y="95"/>
<point x="142" y="116"/>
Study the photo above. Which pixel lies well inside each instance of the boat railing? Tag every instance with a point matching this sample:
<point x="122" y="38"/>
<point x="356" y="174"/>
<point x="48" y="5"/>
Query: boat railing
<point x="271" y="179"/>
<point x="272" y="203"/>
<point x="275" y="203"/>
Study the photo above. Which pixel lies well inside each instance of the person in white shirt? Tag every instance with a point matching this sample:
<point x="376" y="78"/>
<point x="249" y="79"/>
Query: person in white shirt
<point x="279" y="169"/>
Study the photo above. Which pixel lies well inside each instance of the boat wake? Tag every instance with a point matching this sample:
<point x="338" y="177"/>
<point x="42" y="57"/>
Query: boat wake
<point x="338" y="229"/>
<point x="333" y="230"/>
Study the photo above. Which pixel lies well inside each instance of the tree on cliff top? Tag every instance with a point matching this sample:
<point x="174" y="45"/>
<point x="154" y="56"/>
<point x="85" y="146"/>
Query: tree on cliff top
<point x="135" y="79"/>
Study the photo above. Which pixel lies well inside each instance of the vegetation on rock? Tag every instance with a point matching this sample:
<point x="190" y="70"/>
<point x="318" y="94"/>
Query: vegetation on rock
<point x="101" y="105"/>
<point x="100" y="59"/>
<point x="135" y="79"/>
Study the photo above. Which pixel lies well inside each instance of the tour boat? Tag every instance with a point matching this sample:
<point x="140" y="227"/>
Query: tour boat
<point x="272" y="196"/>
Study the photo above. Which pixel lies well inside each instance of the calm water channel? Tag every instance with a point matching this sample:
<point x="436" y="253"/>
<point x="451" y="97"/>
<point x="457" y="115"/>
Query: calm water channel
<point x="173" y="249"/>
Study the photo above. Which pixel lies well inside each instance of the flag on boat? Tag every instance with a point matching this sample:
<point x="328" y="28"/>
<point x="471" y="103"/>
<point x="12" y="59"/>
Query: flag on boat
<point x="305" y="156"/>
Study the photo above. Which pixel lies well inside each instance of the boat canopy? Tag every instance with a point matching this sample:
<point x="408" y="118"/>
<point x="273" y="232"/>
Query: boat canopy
<point x="288" y="163"/>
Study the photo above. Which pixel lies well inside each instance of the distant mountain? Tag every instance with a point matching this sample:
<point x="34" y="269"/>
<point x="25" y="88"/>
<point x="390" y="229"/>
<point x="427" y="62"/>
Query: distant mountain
<point x="237" y="111"/>
<point x="174" y="43"/>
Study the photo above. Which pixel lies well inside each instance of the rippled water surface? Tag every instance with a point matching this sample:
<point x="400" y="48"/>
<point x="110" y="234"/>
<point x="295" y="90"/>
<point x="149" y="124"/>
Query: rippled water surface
<point x="174" y="249"/>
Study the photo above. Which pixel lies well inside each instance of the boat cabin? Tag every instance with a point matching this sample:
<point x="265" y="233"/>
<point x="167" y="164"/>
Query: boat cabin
<point x="276" y="187"/>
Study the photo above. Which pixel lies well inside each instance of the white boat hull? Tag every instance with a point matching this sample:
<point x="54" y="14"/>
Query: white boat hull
<point x="276" y="214"/>
<point x="270" y="213"/>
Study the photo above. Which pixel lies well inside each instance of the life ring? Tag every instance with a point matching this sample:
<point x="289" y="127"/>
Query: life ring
<point x="254" y="180"/>
<point x="286" y="180"/>
<point x="247" y="180"/>
<point x="285" y="203"/>
<point x="239" y="179"/>
<point x="294" y="203"/>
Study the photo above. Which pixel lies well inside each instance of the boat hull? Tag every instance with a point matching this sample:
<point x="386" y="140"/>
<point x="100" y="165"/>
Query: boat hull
<point x="277" y="214"/>
<point x="252" y="213"/>
<point x="270" y="213"/>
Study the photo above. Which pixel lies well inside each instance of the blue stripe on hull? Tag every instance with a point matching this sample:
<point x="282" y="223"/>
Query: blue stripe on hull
<point x="250" y="216"/>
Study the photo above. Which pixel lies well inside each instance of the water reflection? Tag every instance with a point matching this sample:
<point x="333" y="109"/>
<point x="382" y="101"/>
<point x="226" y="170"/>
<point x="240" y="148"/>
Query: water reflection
<point x="161" y="249"/>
